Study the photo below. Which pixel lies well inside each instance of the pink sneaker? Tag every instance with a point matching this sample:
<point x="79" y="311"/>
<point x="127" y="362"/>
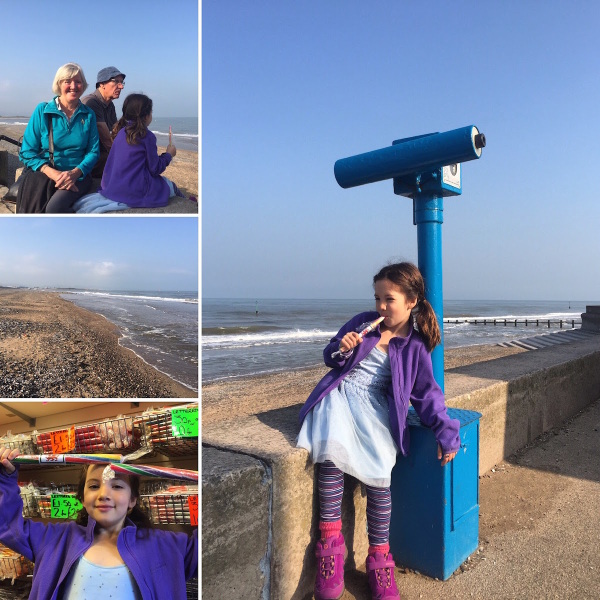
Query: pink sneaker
<point x="329" y="584"/>
<point x="380" y="570"/>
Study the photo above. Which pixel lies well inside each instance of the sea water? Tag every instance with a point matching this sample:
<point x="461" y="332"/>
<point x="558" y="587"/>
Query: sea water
<point x="14" y="121"/>
<point x="244" y="337"/>
<point x="184" y="132"/>
<point x="160" y="327"/>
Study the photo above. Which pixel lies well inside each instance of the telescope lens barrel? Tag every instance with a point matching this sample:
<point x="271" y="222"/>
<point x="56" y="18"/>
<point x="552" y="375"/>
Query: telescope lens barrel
<point x="410" y="156"/>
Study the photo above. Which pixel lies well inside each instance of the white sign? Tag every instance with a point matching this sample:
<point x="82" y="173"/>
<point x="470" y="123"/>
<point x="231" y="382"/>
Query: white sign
<point x="451" y="175"/>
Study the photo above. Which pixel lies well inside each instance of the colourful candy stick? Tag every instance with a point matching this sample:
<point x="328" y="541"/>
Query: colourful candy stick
<point x="362" y="333"/>
<point x="112" y="460"/>
<point x="170" y="136"/>
<point x="30" y="459"/>
<point x="150" y="471"/>
<point x="371" y="326"/>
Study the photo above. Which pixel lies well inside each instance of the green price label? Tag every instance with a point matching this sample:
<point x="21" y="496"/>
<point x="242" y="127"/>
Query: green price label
<point x="184" y="422"/>
<point x="64" y="506"/>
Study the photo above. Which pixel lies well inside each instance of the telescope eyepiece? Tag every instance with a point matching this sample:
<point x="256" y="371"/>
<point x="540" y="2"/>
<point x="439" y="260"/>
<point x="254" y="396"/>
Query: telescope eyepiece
<point x="480" y="140"/>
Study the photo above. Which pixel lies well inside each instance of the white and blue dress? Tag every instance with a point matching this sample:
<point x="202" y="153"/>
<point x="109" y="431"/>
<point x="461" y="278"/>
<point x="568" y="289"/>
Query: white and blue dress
<point x="351" y="425"/>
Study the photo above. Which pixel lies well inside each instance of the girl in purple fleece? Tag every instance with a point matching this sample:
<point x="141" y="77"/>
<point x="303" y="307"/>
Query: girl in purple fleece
<point x="354" y="421"/>
<point x="132" y="174"/>
<point x="111" y="549"/>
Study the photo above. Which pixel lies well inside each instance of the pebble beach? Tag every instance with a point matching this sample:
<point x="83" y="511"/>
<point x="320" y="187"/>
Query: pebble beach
<point x="243" y="396"/>
<point x="50" y="348"/>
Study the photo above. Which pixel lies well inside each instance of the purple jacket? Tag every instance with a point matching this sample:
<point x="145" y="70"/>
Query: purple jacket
<point x="412" y="379"/>
<point x="132" y="173"/>
<point x="160" y="561"/>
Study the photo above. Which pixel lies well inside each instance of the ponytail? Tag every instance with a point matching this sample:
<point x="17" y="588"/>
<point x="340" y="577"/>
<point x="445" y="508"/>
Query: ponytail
<point x="427" y="324"/>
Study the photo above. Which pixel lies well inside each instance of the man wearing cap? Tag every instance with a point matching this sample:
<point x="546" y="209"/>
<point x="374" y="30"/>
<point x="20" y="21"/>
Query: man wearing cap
<point x="109" y="83"/>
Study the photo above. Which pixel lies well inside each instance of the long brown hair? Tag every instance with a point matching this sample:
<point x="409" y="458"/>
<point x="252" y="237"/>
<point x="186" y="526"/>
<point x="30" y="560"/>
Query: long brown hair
<point x="410" y="281"/>
<point x="137" y="515"/>
<point x="135" y="110"/>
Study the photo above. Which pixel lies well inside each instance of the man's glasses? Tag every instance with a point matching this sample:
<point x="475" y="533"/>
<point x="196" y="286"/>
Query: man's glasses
<point x="118" y="81"/>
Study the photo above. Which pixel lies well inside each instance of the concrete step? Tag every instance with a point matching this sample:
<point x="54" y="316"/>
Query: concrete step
<point x="537" y="342"/>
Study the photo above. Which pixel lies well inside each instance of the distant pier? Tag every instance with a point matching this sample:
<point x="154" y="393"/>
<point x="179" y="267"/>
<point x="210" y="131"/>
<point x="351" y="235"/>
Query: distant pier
<point x="514" y="322"/>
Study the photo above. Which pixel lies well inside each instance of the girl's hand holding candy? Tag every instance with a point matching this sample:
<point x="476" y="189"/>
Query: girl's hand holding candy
<point x="6" y="455"/>
<point x="349" y="341"/>
<point x="170" y="148"/>
<point x="352" y="339"/>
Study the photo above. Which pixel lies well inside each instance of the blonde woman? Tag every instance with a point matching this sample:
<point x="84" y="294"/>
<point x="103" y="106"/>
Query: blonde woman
<point x="66" y="175"/>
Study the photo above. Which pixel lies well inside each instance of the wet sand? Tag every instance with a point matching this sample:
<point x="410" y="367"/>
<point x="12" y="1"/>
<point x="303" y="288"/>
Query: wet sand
<point x="245" y="396"/>
<point x="50" y="348"/>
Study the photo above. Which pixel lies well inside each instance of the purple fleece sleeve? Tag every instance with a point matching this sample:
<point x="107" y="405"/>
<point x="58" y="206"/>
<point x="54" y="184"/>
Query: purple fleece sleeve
<point x="428" y="400"/>
<point x="13" y="528"/>
<point x="156" y="164"/>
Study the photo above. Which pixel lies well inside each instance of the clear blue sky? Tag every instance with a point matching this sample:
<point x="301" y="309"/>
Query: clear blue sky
<point x="107" y="253"/>
<point x="290" y="87"/>
<point x="154" y="43"/>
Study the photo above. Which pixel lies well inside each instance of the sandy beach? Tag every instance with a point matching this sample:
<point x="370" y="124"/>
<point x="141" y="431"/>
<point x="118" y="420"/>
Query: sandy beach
<point x="244" y="396"/>
<point x="183" y="169"/>
<point x="50" y="348"/>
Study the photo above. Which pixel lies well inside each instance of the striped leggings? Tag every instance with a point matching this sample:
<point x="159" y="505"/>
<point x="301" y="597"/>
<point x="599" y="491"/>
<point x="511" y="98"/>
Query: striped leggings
<point x="379" y="503"/>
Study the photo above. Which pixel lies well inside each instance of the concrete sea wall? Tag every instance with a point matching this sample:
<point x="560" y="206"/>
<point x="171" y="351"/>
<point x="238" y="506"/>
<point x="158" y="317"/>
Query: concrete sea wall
<point x="259" y="502"/>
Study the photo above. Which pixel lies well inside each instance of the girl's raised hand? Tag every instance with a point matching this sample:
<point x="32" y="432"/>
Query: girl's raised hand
<point x="349" y="341"/>
<point x="6" y="455"/>
<point x="446" y="458"/>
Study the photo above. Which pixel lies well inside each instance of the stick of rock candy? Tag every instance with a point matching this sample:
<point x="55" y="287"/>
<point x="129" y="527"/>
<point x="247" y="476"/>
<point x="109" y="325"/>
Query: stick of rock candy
<point x="150" y="471"/>
<point x="364" y="332"/>
<point x="53" y="459"/>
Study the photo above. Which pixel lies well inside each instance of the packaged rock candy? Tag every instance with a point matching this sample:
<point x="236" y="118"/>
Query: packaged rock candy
<point x="21" y="442"/>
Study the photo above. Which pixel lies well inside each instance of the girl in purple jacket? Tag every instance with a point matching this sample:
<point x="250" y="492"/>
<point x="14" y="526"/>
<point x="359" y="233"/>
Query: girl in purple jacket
<point x="355" y="419"/>
<point x="110" y="550"/>
<point x="132" y="174"/>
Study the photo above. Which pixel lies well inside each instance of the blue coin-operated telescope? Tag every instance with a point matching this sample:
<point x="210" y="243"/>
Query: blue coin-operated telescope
<point x="425" y="168"/>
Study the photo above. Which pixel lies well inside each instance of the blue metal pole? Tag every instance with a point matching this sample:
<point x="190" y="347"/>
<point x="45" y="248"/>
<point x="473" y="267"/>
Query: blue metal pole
<point x="428" y="217"/>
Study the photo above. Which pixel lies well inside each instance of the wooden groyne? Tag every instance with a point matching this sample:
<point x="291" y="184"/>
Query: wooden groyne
<point x="526" y="322"/>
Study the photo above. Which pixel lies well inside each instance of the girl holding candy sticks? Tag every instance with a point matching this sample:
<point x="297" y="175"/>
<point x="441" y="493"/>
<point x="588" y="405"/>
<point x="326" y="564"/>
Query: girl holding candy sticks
<point x="132" y="174"/>
<point x="354" y="421"/>
<point x="110" y="547"/>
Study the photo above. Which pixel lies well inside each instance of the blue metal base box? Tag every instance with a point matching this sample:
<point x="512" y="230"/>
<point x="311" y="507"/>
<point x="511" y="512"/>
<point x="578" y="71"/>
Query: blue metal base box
<point x="435" y="510"/>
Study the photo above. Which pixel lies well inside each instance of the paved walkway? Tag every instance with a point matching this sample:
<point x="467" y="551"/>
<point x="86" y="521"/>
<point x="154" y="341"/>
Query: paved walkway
<point x="539" y="526"/>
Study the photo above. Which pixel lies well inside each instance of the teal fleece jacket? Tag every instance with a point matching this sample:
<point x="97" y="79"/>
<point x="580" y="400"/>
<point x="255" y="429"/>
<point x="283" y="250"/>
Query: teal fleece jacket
<point x="76" y="142"/>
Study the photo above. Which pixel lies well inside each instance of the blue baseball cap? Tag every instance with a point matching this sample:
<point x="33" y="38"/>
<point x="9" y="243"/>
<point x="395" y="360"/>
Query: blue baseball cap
<point x="108" y="73"/>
